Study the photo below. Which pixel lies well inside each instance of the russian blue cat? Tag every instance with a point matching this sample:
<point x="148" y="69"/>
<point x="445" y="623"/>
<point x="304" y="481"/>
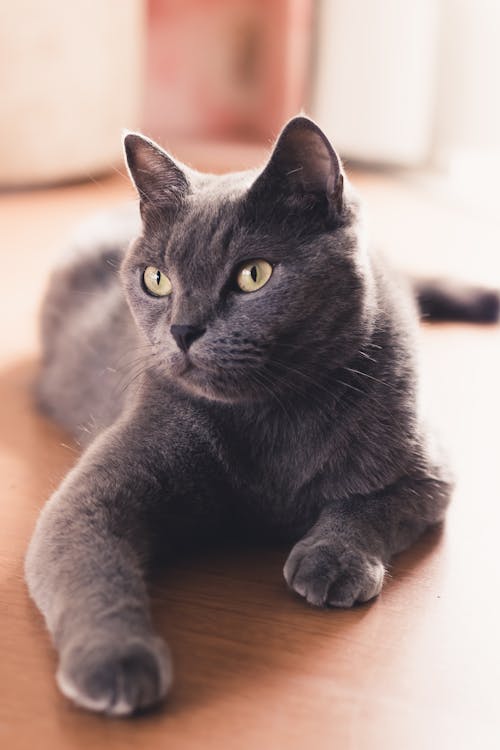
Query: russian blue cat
<point x="245" y="369"/>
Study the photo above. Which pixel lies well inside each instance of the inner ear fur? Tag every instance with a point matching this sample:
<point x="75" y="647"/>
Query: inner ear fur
<point x="303" y="164"/>
<point x="159" y="181"/>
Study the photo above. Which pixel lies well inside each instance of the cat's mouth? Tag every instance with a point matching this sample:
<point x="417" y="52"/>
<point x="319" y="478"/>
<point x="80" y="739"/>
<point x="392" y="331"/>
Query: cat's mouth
<point x="180" y="364"/>
<point x="210" y="380"/>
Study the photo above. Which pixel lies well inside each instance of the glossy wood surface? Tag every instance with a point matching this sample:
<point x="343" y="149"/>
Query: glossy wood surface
<point x="255" y="667"/>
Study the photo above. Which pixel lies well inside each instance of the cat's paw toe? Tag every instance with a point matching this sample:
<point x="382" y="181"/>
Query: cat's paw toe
<point x="116" y="678"/>
<point x="333" y="575"/>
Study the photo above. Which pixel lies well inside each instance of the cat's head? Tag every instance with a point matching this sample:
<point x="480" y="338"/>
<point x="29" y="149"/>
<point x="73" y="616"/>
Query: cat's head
<point x="252" y="283"/>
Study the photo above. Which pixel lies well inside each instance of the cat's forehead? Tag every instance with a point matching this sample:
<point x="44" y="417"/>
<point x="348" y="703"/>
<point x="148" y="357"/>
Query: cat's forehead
<point x="206" y="230"/>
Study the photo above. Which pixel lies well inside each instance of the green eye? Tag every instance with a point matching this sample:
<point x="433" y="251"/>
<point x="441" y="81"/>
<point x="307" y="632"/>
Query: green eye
<point x="156" y="282"/>
<point x="253" y="275"/>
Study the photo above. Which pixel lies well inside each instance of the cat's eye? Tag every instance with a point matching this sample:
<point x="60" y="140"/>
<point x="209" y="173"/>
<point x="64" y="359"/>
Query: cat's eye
<point x="156" y="282"/>
<point x="253" y="275"/>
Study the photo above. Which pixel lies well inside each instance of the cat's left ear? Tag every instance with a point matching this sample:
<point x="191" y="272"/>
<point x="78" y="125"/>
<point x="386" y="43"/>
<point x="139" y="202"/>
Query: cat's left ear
<point x="160" y="182"/>
<point x="303" y="165"/>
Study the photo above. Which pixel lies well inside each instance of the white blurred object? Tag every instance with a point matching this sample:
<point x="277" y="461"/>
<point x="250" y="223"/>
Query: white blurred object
<point x="373" y="88"/>
<point x="468" y="102"/>
<point x="71" y="80"/>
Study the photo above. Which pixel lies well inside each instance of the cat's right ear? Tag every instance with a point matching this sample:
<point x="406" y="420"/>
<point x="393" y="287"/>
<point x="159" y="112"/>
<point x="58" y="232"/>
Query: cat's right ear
<point x="160" y="182"/>
<point x="304" y="175"/>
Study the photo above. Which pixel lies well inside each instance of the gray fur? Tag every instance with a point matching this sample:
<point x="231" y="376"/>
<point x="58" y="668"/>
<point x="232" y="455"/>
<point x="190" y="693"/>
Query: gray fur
<point x="297" y="418"/>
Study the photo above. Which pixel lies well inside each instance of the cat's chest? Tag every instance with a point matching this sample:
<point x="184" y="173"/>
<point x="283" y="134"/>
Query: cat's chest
<point x="274" y="466"/>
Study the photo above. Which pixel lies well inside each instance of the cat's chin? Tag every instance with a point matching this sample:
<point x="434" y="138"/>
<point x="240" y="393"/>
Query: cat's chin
<point x="212" y="383"/>
<point x="214" y="387"/>
<point x="202" y="386"/>
<point x="213" y="395"/>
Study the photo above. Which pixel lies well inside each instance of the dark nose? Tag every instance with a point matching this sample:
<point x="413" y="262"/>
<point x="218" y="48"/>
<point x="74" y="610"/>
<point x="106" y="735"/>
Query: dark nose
<point x="185" y="335"/>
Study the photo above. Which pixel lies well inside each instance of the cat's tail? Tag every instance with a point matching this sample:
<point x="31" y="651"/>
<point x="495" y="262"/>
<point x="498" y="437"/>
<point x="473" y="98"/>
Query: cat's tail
<point x="440" y="300"/>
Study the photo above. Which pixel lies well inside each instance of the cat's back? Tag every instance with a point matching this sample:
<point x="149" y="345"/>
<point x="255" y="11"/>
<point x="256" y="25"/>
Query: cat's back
<point x="88" y="338"/>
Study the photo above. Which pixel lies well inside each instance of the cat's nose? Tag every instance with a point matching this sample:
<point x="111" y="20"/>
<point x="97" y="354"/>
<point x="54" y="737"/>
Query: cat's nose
<point x="185" y="335"/>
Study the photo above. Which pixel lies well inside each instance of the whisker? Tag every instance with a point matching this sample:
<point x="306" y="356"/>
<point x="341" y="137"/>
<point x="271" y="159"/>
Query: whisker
<point x="70" y="448"/>
<point x="370" y="377"/>
<point x="133" y="380"/>
<point x="306" y="376"/>
<point x="360" y="390"/>
<point x="367" y="356"/>
<point x="273" y="394"/>
<point x="330" y="392"/>
<point x="264" y="375"/>
<point x="307" y="395"/>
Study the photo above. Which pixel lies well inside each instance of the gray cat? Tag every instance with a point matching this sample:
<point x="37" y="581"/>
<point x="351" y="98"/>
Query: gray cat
<point x="248" y="373"/>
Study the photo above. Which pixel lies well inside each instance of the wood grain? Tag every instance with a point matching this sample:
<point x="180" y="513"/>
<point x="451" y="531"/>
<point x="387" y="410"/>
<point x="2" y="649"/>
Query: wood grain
<point x="256" y="667"/>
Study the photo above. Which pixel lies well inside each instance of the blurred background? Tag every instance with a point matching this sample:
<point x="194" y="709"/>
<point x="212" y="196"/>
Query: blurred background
<point x="408" y="92"/>
<point x="396" y="82"/>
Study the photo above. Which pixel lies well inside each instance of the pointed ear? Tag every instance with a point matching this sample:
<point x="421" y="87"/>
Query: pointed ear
<point x="160" y="182"/>
<point x="304" y="166"/>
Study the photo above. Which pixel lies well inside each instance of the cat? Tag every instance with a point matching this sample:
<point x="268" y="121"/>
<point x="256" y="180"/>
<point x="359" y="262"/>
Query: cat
<point x="246" y="369"/>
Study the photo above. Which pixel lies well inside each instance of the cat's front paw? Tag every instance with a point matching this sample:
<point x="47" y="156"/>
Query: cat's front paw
<point x="332" y="574"/>
<point x="117" y="677"/>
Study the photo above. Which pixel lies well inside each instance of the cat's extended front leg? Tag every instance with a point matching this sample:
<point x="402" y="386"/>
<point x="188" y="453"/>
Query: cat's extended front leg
<point x="85" y="570"/>
<point x="342" y="559"/>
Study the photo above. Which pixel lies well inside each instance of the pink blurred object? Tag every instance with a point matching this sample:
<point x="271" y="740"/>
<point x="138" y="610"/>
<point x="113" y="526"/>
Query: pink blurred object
<point x="227" y="69"/>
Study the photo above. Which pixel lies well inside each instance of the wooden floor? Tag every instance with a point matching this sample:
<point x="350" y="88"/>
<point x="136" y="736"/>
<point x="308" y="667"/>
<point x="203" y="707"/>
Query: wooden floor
<point x="255" y="667"/>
